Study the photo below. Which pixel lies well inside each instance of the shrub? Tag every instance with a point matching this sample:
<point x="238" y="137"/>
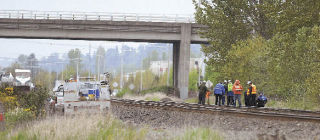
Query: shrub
<point x="35" y="100"/>
<point x="122" y="92"/>
<point x="8" y="101"/>
<point x="17" y="116"/>
<point x="200" y="134"/>
<point x="164" y="89"/>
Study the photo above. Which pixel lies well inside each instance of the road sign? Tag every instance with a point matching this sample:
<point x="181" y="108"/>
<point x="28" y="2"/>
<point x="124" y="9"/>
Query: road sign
<point x="131" y="86"/>
<point x="209" y="84"/>
<point x="115" y="84"/>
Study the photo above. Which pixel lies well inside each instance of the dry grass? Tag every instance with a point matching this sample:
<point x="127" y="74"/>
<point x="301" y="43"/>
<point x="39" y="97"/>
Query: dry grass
<point x="101" y="127"/>
<point x="80" y="126"/>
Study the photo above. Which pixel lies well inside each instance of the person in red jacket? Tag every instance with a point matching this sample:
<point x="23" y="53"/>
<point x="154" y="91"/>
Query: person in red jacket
<point x="237" y="89"/>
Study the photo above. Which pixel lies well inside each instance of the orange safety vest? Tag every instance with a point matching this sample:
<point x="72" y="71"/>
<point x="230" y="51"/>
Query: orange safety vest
<point x="207" y="94"/>
<point x="254" y="90"/>
<point x="237" y="89"/>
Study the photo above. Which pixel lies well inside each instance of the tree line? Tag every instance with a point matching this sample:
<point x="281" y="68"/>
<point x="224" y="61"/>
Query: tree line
<point x="274" y="43"/>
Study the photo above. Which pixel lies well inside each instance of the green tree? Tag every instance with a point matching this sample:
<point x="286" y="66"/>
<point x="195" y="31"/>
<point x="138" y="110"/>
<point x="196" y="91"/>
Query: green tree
<point x="154" y="56"/>
<point x="193" y="79"/>
<point x="12" y="67"/>
<point x="74" y="56"/>
<point x="295" y="59"/>
<point x="229" y="22"/>
<point x="45" y="78"/>
<point x="246" y="66"/>
<point x="22" y="60"/>
<point x="233" y="21"/>
<point x="35" y="100"/>
<point x="282" y="66"/>
<point x="69" y="72"/>
<point x="32" y="64"/>
<point x="291" y="15"/>
<point x="146" y="63"/>
<point x="164" y="56"/>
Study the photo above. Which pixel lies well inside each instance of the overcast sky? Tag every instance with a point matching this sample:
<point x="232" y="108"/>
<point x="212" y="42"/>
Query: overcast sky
<point x="118" y="6"/>
<point x="11" y="48"/>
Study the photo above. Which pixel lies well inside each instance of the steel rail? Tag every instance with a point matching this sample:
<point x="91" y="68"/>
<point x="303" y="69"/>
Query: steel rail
<point x="263" y="112"/>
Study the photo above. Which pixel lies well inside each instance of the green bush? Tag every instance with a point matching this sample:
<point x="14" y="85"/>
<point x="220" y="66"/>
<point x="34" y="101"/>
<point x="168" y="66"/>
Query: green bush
<point x="164" y="89"/>
<point x="35" y="100"/>
<point x="152" y="99"/>
<point x="18" y="116"/>
<point x="193" y="79"/>
<point x="118" y="130"/>
<point x="200" y="134"/>
<point x="122" y="92"/>
<point x="191" y="100"/>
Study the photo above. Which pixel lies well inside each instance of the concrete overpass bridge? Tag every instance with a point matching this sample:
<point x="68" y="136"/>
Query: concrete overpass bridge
<point x="179" y="30"/>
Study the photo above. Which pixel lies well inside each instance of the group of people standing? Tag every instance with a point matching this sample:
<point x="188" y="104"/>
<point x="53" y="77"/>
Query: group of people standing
<point x="233" y="91"/>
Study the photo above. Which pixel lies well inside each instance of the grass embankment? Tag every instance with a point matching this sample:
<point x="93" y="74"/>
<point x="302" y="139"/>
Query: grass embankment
<point x="167" y="90"/>
<point x="200" y="134"/>
<point x="79" y="127"/>
<point x="157" y="96"/>
<point x="294" y="104"/>
<point x="100" y="127"/>
<point x="288" y="104"/>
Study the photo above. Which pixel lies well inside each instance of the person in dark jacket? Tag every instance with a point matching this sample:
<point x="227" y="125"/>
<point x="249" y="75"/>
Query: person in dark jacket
<point x="246" y="99"/>
<point x="218" y="92"/>
<point x="262" y="100"/>
<point x="202" y="93"/>
<point x="225" y="85"/>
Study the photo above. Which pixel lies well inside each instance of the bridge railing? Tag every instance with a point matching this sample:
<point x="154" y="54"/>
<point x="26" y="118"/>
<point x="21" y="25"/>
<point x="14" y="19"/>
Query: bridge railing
<point x="61" y="15"/>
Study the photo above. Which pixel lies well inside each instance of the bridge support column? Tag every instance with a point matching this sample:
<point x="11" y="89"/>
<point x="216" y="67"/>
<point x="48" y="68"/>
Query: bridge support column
<point x="181" y="61"/>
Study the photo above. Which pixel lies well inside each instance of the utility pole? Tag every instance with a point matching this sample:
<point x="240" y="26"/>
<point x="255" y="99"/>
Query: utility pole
<point x="89" y="60"/>
<point x="199" y="72"/>
<point x="77" y="72"/>
<point x="104" y="64"/>
<point x="141" y="68"/>
<point x="168" y="71"/>
<point x="121" y="76"/>
<point x="98" y="67"/>
<point x="78" y="66"/>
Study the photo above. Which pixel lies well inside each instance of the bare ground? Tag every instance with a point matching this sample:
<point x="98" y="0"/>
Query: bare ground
<point x="229" y="125"/>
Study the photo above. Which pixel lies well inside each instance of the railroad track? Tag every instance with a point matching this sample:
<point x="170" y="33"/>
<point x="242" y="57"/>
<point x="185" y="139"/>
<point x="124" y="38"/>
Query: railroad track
<point x="301" y="115"/>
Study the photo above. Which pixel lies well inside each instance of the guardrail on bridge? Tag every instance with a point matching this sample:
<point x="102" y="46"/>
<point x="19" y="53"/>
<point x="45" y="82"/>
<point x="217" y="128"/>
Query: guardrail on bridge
<point x="61" y="15"/>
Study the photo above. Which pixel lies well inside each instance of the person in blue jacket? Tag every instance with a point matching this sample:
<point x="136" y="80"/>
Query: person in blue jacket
<point x="262" y="100"/>
<point x="218" y="92"/>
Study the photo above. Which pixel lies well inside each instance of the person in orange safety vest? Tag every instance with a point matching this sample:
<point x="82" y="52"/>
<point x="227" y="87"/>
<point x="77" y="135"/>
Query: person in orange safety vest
<point x="237" y="89"/>
<point x="207" y="96"/>
<point x="252" y="94"/>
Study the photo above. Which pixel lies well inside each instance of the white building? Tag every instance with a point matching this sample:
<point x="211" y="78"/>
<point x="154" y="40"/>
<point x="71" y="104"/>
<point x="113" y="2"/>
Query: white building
<point x="160" y="67"/>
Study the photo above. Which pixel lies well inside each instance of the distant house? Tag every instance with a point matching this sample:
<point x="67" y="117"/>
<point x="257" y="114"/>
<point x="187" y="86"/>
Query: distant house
<point x="161" y="67"/>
